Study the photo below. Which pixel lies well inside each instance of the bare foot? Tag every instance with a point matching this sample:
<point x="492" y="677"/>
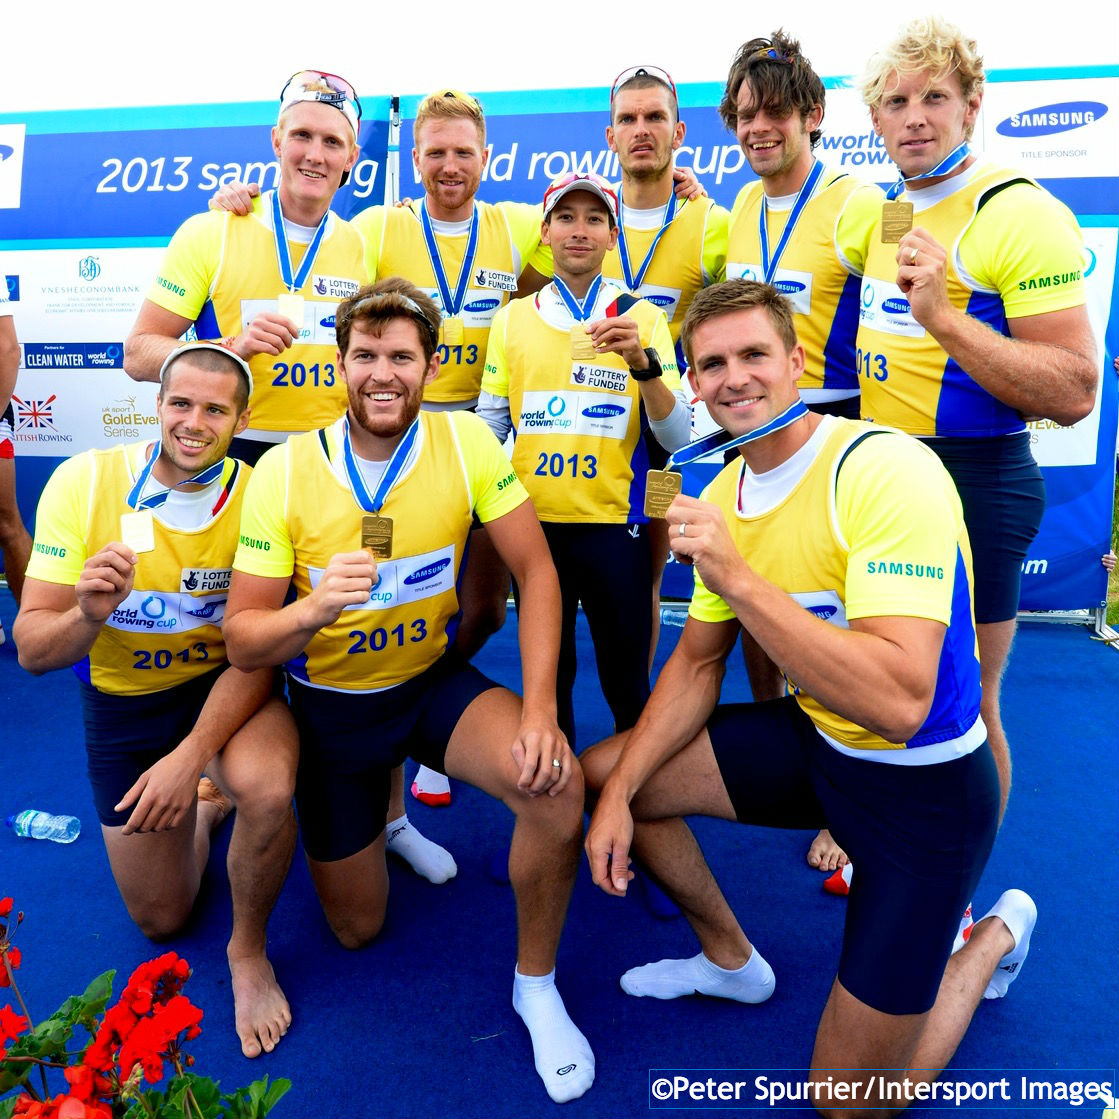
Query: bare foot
<point x="219" y="804"/>
<point x="261" y="1012"/>
<point x="825" y="854"/>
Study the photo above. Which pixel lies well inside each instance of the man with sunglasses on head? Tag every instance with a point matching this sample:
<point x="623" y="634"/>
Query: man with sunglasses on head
<point x="367" y="521"/>
<point x="127" y="584"/>
<point x="668" y="248"/>
<point x="580" y="371"/>
<point x="803" y="227"/>
<point x="266" y="286"/>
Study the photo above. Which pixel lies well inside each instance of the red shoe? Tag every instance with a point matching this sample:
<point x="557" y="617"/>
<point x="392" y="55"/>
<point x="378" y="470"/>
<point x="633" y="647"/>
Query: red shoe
<point x="839" y="883"/>
<point x="433" y="800"/>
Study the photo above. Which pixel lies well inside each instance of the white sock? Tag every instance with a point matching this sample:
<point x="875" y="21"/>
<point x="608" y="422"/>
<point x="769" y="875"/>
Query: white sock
<point x="1018" y="912"/>
<point x="430" y="782"/>
<point x="563" y="1055"/>
<point x="427" y="859"/>
<point x="670" y="979"/>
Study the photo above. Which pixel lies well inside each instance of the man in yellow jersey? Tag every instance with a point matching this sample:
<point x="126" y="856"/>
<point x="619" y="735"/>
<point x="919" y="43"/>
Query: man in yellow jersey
<point x="842" y="548"/>
<point x="580" y="372"/>
<point x="127" y="583"/>
<point x="668" y="248"/>
<point x="267" y="284"/>
<point x="367" y="521"/>
<point x="803" y="227"/>
<point x="973" y="317"/>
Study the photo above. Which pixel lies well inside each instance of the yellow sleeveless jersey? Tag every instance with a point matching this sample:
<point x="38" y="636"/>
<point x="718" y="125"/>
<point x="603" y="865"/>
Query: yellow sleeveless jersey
<point x="578" y="424"/>
<point x="883" y="536"/>
<point x="1013" y="251"/>
<point x="168" y="629"/>
<point x="299" y="512"/>
<point x="691" y="254"/>
<point x="220" y="271"/>
<point x="508" y="234"/>
<point x="819" y="271"/>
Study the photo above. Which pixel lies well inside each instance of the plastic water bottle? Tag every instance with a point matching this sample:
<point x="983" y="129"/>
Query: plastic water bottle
<point x="674" y="616"/>
<point x="42" y="825"/>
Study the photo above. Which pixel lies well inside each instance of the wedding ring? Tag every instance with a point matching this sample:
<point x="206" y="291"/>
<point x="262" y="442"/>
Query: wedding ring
<point x="556" y="763"/>
<point x="913" y="255"/>
<point x="683" y="528"/>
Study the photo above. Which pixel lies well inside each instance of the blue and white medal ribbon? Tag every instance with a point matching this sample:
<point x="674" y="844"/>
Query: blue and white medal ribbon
<point x="580" y="311"/>
<point x="159" y="497"/>
<point x="294" y="281"/>
<point x="718" y="440"/>
<point x="452" y="302"/>
<point x="769" y="265"/>
<point x="634" y="280"/>
<point x="945" y="167"/>
<point x="372" y="503"/>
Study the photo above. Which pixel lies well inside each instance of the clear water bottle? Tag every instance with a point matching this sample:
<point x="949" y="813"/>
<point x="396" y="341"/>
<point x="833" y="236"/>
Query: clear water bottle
<point x="42" y="825"/>
<point x="674" y="616"/>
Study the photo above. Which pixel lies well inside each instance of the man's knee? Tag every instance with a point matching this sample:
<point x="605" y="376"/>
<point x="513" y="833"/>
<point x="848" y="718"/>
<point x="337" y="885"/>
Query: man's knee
<point x="598" y="761"/>
<point x="357" y="929"/>
<point x="159" y="920"/>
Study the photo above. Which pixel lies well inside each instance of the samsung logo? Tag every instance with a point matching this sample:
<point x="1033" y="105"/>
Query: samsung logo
<point x="5" y="152"/>
<point x="1048" y="119"/>
<point x="789" y="287"/>
<point x="426" y="573"/>
<point x="603" y="411"/>
<point x="328" y="322"/>
<point x="479" y="305"/>
<point x="659" y="300"/>
<point x="895" y="306"/>
<point x="824" y="612"/>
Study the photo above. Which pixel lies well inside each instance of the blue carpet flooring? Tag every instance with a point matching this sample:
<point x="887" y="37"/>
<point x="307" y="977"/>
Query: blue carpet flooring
<point x="420" y="1024"/>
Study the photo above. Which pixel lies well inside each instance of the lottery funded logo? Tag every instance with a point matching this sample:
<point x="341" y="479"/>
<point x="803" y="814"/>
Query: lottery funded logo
<point x="197" y="580"/>
<point x="599" y="377"/>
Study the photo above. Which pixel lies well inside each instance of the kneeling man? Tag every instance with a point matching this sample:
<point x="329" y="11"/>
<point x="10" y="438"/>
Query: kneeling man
<point x="127" y="583"/>
<point x="840" y="547"/>
<point x="366" y="522"/>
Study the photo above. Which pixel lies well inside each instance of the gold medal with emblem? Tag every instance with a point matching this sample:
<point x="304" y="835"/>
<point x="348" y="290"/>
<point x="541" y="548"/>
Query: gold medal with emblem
<point x="661" y="487"/>
<point x="897" y="221"/>
<point x="376" y="536"/>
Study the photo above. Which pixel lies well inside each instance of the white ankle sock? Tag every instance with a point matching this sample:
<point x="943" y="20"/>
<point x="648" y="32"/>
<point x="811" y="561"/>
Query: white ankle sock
<point x="1018" y="912"/>
<point x="563" y="1055"/>
<point x="427" y="859"/>
<point x="670" y="979"/>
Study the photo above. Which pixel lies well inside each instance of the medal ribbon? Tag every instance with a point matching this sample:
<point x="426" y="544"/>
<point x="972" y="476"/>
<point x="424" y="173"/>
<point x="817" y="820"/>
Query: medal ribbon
<point x="373" y="504"/>
<point x="946" y="166"/>
<point x="769" y="265"/>
<point x="283" y="255"/>
<point x="159" y="497"/>
<point x="718" y="440"/>
<point x="452" y="304"/>
<point x="635" y="280"/>
<point x="580" y="312"/>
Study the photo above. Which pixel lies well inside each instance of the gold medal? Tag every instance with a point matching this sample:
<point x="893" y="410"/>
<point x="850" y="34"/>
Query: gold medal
<point x="452" y="331"/>
<point x="582" y="345"/>
<point x="376" y="536"/>
<point x="897" y="221"/>
<point x="137" y="531"/>
<point x="290" y="306"/>
<point x="661" y="486"/>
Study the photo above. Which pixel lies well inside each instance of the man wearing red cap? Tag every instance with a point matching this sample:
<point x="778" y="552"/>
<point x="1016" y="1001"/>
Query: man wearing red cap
<point x="579" y="372"/>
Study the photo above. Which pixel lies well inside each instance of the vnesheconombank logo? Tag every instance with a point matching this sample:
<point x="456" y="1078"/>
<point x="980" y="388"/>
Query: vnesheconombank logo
<point x="1046" y="120"/>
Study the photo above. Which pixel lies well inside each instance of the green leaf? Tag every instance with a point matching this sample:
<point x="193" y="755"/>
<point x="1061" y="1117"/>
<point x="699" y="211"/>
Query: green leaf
<point x="262" y="1097"/>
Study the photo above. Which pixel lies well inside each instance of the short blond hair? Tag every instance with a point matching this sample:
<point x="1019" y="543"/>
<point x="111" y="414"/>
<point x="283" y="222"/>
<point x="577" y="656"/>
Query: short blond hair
<point x="450" y="104"/>
<point x="927" y="43"/>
